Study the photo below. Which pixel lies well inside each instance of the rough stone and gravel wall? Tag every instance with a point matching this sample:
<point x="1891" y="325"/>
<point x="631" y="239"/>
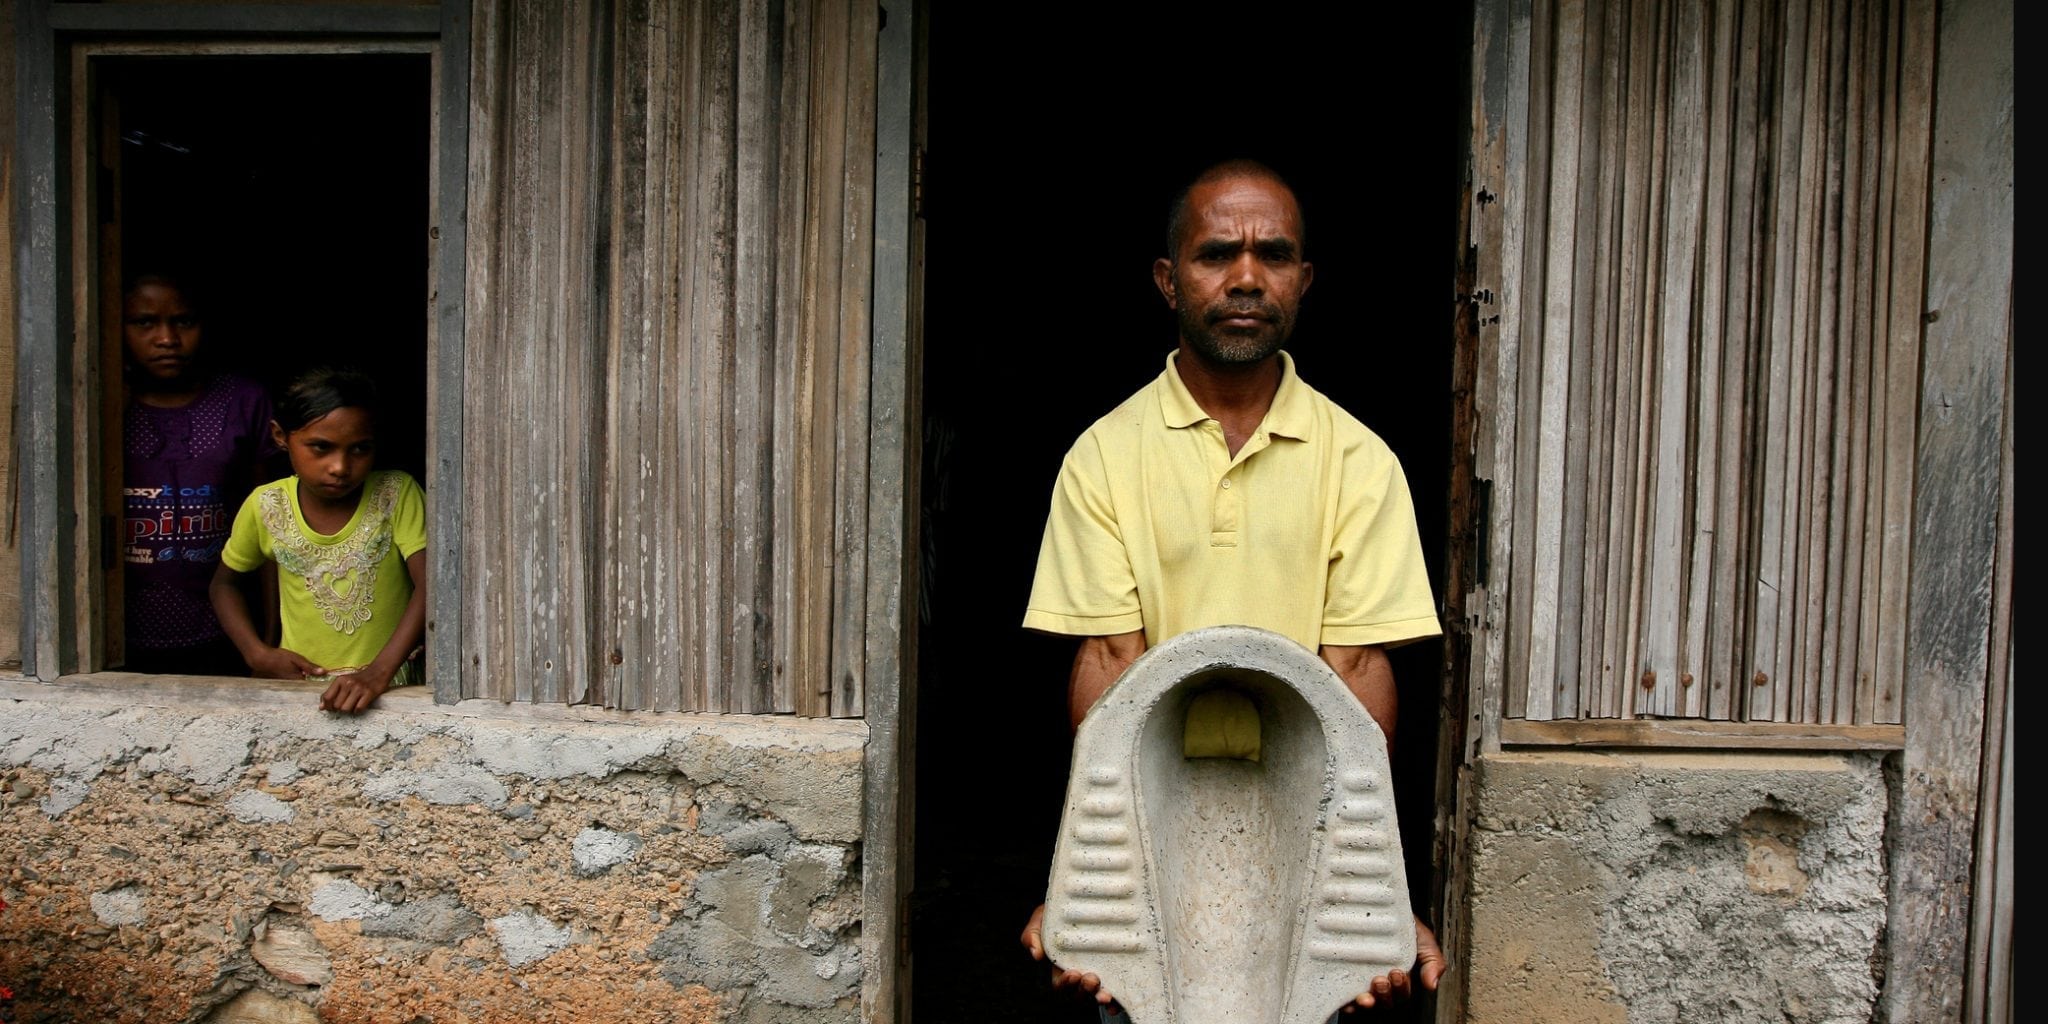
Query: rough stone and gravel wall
<point x="238" y="856"/>
<point x="1709" y="888"/>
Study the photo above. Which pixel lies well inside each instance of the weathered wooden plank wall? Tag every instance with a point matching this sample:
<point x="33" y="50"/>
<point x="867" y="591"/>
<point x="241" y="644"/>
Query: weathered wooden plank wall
<point x="10" y="528"/>
<point x="1712" y="264"/>
<point x="1957" y="603"/>
<point x="666" y="426"/>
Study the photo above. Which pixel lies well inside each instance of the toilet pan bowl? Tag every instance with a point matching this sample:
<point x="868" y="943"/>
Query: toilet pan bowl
<point x="1226" y="889"/>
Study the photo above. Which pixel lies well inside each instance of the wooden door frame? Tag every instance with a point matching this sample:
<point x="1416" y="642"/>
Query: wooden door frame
<point x="894" y="457"/>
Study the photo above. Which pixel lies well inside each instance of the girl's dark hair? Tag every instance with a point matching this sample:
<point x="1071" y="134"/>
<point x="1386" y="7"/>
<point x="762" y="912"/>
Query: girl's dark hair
<point x="316" y="393"/>
<point x="186" y="287"/>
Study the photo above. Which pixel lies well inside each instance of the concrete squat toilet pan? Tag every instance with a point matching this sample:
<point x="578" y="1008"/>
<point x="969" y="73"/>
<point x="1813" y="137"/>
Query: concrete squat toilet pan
<point x="1228" y="853"/>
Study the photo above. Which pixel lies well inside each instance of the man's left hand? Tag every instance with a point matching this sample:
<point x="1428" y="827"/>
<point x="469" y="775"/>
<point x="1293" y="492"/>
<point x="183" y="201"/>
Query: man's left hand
<point x="1398" y="986"/>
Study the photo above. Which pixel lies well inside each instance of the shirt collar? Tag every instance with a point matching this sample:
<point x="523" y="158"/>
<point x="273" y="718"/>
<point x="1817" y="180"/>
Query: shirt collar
<point x="1288" y="417"/>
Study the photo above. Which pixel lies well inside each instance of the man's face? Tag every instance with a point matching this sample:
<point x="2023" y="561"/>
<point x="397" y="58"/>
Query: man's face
<point x="1237" y="281"/>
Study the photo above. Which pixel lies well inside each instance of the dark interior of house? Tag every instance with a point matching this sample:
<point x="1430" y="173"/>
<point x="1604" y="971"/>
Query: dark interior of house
<point x="293" y="192"/>
<point x="288" y="196"/>
<point x="1056" y="146"/>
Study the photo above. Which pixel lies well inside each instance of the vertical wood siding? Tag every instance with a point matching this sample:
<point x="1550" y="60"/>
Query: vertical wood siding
<point x="1711" y="264"/>
<point x="10" y="491"/>
<point x="666" y="422"/>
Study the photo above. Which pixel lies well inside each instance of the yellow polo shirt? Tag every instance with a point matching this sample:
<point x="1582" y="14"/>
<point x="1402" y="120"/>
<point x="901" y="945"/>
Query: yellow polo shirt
<point x="1308" y="532"/>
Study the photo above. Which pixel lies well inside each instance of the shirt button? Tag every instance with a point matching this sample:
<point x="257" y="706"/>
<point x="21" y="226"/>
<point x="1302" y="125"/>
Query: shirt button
<point x="1226" y="483"/>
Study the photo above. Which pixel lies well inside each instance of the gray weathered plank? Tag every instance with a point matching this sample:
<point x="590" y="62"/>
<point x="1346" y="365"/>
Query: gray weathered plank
<point x="1664" y="658"/>
<point x="1767" y="699"/>
<point x="42" y="245"/>
<point x="445" y="353"/>
<point x="889" y="703"/>
<point x="247" y="19"/>
<point x="11" y="625"/>
<point x="1821" y="575"/>
<point x="1957" y="491"/>
<point x="1910" y="189"/>
<point x="1602" y="698"/>
<point x="1698" y="673"/>
<point x="1987" y="993"/>
<point x="1500" y="100"/>
<point x="1858" y="242"/>
<point x="1524" y="280"/>
<point x="1552" y="693"/>
<point x="850" y="491"/>
<point x="818" y="389"/>
<point x="750" y="617"/>
<point x="793" y="579"/>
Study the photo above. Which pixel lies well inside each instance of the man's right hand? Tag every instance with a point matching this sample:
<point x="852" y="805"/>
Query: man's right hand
<point x="1080" y="983"/>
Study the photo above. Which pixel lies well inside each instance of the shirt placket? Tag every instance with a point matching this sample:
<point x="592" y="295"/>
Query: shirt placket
<point x="1226" y="509"/>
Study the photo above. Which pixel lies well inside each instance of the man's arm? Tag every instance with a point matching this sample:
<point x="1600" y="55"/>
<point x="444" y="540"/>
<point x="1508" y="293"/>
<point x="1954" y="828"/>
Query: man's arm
<point x="1098" y="663"/>
<point x="1369" y="675"/>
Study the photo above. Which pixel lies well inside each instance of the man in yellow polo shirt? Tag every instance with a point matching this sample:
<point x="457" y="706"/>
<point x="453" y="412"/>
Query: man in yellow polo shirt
<point x="1227" y="491"/>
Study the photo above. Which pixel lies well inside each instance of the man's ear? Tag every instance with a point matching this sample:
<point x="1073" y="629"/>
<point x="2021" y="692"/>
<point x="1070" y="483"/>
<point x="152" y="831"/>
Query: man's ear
<point x="1308" y="276"/>
<point x="277" y="435"/>
<point x="1162" y="275"/>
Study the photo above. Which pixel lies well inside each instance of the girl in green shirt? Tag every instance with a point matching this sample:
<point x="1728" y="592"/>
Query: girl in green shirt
<point x="350" y="545"/>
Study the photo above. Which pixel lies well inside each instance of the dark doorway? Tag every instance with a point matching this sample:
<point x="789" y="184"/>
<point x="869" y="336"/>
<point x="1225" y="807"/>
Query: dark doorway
<point x="1056" y="145"/>
<point x="287" y="196"/>
<point x="293" y="191"/>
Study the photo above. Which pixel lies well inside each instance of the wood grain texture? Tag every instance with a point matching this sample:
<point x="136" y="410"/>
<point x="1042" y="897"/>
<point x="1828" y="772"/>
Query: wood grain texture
<point x="1697" y="733"/>
<point x="1988" y="979"/>
<point x="1664" y="658"/>
<point x="1521" y="288"/>
<point x="1911" y="118"/>
<point x="889" y="798"/>
<point x="448" y="212"/>
<point x="1957" y="497"/>
<point x="10" y="530"/>
<point x="671" y="215"/>
<point x="1474" y="700"/>
<point x="1602" y="693"/>
<point x="1551" y="693"/>
<point x="1704" y="213"/>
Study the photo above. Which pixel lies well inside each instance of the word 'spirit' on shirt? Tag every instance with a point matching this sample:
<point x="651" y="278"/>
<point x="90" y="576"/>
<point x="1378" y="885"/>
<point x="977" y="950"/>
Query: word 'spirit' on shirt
<point x="184" y="471"/>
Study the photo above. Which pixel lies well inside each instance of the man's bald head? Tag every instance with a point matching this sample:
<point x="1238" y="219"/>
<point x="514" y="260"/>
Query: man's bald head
<point x="1228" y="170"/>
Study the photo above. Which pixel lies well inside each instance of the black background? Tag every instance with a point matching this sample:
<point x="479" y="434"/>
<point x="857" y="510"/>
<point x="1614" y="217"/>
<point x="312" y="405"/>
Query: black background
<point x="292" y="191"/>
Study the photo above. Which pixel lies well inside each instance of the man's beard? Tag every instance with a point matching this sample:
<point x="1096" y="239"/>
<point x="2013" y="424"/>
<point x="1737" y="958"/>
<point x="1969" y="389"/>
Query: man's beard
<point x="1229" y="346"/>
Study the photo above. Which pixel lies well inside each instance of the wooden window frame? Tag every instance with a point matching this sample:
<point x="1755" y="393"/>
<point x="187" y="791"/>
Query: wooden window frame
<point x="65" y="451"/>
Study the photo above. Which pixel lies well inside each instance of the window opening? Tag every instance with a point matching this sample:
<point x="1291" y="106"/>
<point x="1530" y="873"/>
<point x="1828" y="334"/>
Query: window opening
<point x="284" y="200"/>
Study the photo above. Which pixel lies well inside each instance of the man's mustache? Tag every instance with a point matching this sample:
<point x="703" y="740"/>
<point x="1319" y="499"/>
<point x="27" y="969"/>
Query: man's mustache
<point x="1231" y="310"/>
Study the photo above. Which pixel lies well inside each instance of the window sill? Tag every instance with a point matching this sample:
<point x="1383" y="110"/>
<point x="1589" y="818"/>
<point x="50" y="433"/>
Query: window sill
<point x="1699" y="734"/>
<point x="215" y="693"/>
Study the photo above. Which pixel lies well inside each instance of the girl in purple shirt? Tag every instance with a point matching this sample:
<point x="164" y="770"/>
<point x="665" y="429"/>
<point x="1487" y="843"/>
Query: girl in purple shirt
<point x="194" y="443"/>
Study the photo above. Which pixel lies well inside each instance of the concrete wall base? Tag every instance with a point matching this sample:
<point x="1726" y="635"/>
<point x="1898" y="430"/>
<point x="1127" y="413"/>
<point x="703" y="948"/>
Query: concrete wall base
<point x="1704" y="888"/>
<point x="213" y="851"/>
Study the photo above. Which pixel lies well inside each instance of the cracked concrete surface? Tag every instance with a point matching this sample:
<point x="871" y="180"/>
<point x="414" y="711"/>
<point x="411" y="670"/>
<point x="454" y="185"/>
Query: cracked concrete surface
<point x="1649" y="888"/>
<point x="205" y="861"/>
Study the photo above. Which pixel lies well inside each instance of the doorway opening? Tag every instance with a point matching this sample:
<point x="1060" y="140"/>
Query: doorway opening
<point x="1055" y="149"/>
<point x="290" y="192"/>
